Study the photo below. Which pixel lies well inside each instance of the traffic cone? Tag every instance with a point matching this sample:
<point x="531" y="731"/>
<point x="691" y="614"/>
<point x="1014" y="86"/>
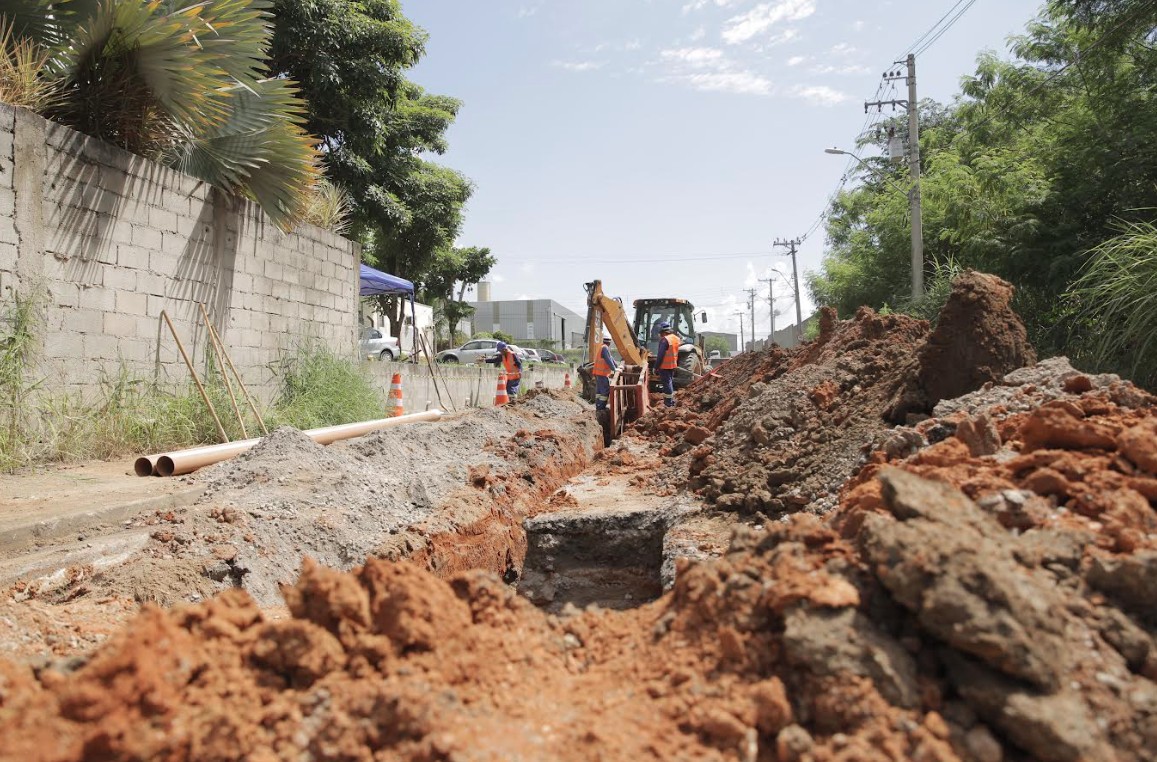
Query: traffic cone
<point x="396" y="396"/>
<point x="500" y="395"/>
<point x="566" y="381"/>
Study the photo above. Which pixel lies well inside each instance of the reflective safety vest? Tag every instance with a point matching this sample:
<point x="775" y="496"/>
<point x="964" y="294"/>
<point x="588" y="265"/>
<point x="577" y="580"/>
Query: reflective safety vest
<point x="671" y="357"/>
<point x="512" y="370"/>
<point x="601" y="367"/>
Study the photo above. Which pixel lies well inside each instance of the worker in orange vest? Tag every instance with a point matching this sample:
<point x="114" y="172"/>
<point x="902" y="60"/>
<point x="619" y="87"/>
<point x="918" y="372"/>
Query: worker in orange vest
<point x="604" y="367"/>
<point x="667" y="361"/>
<point x="513" y="365"/>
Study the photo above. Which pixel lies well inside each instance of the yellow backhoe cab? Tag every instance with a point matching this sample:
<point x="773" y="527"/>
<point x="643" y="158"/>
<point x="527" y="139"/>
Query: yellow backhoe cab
<point x="637" y="346"/>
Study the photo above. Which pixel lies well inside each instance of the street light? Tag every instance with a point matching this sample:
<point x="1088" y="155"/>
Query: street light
<point x="913" y="195"/>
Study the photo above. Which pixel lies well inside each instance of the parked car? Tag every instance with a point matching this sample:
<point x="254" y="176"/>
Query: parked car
<point x="532" y="355"/>
<point x="549" y="356"/>
<point x="375" y="343"/>
<point x="470" y="352"/>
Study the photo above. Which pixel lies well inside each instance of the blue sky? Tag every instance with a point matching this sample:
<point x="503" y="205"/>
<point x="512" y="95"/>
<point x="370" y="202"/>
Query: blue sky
<point x="663" y="145"/>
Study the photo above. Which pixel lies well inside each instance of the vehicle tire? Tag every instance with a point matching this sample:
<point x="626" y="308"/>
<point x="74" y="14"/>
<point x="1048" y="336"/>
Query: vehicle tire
<point x="386" y="356"/>
<point x="691" y="362"/>
<point x="448" y="359"/>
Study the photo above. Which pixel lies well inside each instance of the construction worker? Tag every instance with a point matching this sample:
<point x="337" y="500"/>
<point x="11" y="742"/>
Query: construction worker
<point x="666" y="360"/>
<point x="604" y="367"/>
<point x="513" y="365"/>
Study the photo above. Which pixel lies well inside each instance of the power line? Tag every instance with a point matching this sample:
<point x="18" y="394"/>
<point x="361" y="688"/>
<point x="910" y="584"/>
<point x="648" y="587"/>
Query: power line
<point x="930" y="30"/>
<point x="945" y="28"/>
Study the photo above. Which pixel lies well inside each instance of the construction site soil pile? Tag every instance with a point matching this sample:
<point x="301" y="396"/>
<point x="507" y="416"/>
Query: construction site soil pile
<point x="981" y="592"/>
<point x="779" y="431"/>
<point x="390" y="493"/>
<point x="1008" y="621"/>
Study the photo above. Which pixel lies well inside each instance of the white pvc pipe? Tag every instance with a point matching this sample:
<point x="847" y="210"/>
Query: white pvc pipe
<point x="186" y="461"/>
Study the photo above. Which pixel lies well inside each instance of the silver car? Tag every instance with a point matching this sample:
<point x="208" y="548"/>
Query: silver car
<point x="375" y="343"/>
<point x="470" y="352"/>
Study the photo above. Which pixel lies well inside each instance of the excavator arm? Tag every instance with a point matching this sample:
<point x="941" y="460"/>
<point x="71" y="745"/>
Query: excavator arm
<point x="602" y="310"/>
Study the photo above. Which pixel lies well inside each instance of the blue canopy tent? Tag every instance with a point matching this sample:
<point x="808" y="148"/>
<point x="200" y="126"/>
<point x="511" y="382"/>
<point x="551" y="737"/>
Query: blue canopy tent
<point x="377" y="283"/>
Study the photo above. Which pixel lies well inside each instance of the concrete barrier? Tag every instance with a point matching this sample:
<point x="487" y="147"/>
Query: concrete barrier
<point x="468" y="385"/>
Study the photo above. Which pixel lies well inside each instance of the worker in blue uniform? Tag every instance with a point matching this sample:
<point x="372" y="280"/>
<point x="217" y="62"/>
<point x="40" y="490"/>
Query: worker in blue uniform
<point x="666" y="361"/>
<point x="511" y="363"/>
<point x="603" y="370"/>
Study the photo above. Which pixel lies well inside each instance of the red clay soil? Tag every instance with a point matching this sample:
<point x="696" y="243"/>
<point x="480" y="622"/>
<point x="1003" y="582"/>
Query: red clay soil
<point x="983" y="591"/>
<point x="778" y="431"/>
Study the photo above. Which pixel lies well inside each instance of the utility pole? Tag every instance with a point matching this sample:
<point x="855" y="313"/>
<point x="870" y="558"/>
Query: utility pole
<point x="792" y="246"/>
<point x="751" y="306"/>
<point x="742" y="342"/>
<point x="913" y="109"/>
<point x="771" y="308"/>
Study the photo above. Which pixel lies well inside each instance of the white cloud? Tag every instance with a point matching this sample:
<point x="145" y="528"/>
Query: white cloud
<point x="844" y="49"/>
<point x="796" y="60"/>
<point x="849" y="69"/>
<point x="709" y="69"/>
<point x="634" y="44"/>
<point x="698" y="34"/>
<point x="527" y="10"/>
<point x="764" y="16"/>
<point x="698" y="5"/>
<point x="858" y="26"/>
<point x="697" y="58"/>
<point x="577" y="65"/>
<point x="738" y="82"/>
<point x="820" y="95"/>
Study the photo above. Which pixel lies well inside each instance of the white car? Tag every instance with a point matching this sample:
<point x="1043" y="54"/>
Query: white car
<point x="375" y="343"/>
<point x="529" y="354"/>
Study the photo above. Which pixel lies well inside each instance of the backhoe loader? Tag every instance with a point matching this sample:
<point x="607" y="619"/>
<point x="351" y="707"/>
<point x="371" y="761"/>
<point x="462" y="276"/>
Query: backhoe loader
<point x="637" y="344"/>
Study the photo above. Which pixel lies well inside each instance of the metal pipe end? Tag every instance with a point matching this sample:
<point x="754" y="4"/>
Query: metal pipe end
<point x="165" y="466"/>
<point x="143" y="466"/>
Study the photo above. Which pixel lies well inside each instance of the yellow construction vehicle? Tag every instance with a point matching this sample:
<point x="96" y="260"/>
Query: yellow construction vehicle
<point x="637" y="344"/>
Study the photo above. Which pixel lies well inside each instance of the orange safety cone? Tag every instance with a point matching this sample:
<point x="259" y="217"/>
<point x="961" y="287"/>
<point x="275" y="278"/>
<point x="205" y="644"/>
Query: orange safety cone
<point x="500" y="395"/>
<point x="566" y="381"/>
<point x="396" y="396"/>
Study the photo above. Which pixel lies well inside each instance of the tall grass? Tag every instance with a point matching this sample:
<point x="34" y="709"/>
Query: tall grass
<point x="129" y="415"/>
<point x="936" y="293"/>
<point x="18" y="343"/>
<point x="1116" y="298"/>
<point x="319" y="388"/>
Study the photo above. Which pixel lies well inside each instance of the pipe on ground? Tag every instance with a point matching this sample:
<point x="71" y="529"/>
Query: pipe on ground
<point x="187" y="461"/>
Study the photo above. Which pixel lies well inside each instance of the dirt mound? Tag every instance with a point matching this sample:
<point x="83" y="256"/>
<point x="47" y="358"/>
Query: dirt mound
<point x="779" y="431"/>
<point x="978" y="339"/>
<point x="400" y="492"/>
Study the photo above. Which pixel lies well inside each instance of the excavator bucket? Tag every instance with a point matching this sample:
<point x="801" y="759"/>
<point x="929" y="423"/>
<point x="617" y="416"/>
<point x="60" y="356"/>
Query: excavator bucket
<point x="628" y="402"/>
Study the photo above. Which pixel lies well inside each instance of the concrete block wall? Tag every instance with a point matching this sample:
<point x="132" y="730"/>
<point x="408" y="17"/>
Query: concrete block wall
<point x="107" y="240"/>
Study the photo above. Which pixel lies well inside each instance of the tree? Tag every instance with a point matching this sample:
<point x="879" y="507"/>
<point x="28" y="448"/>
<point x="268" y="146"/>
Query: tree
<point x="1038" y="162"/>
<point x="456" y="269"/>
<point x="189" y="87"/>
<point x="350" y="57"/>
<point x="717" y="344"/>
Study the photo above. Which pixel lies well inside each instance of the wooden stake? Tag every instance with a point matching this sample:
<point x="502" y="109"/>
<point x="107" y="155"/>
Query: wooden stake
<point x="219" y="350"/>
<point x="240" y="383"/>
<point x="196" y="380"/>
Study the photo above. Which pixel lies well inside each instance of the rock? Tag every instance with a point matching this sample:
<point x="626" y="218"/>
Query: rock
<point x="844" y="641"/>
<point x="1056" y="427"/>
<point x="980" y="434"/>
<point x="1130" y="579"/>
<point x="1139" y="444"/>
<point x="792" y="743"/>
<point x="696" y="435"/>
<point x="953" y="566"/>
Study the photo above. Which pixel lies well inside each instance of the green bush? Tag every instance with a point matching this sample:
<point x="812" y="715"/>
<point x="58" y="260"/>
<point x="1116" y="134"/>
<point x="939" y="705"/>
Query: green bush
<point x="320" y="389"/>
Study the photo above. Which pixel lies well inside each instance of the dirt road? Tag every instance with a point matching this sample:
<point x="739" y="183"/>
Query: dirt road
<point x="817" y="556"/>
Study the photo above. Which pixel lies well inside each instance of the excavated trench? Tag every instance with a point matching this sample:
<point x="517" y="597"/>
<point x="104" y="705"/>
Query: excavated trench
<point x="608" y="544"/>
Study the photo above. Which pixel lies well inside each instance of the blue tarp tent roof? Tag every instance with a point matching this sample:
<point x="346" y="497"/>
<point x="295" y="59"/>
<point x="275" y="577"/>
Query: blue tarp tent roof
<point x="374" y="282"/>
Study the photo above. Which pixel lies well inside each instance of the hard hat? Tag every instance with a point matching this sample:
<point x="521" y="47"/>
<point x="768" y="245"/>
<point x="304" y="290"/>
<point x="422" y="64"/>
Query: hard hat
<point x="606" y="339"/>
<point x="664" y="326"/>
<point x="501" y="346"/>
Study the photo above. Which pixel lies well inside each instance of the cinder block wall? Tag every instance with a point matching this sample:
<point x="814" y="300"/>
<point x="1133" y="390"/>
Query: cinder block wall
<point x="105" y="240"/>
